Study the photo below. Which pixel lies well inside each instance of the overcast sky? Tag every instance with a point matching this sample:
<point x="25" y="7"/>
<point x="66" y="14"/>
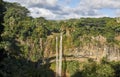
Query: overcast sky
<point x="65" y="9"/>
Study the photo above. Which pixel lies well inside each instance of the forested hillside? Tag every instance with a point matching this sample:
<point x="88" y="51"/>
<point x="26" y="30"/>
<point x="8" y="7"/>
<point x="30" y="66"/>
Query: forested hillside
<point x="28" y="44"/>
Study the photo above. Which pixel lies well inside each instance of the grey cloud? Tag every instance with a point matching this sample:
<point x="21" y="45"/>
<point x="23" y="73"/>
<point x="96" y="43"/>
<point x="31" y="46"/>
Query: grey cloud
<point x="98" y="4"/>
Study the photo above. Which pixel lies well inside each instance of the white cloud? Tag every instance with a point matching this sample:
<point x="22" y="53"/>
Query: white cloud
<point x="41" y="12"/>
<point x="30" y="3"/>
<point x="52" y="9"/>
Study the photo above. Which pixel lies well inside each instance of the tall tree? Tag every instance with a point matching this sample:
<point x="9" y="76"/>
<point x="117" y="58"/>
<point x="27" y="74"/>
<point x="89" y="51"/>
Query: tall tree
<point x="2" y="10"/>
<point x="13" y="16"/>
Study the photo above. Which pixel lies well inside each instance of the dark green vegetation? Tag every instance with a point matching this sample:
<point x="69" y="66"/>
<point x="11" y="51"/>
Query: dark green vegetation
<point x="26" y="43"/>
<point x="91" y="69"/>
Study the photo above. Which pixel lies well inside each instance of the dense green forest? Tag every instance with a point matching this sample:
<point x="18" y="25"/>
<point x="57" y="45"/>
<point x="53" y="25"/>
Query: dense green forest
<point x="27" y="44"/>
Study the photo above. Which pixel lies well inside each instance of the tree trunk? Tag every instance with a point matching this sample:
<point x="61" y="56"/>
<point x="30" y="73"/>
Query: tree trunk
<point x="41" y="50"/>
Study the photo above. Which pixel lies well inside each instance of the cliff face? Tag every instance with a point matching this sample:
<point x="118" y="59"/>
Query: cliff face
<point x="97" y="48"/>
<point x="94" y="47"/>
